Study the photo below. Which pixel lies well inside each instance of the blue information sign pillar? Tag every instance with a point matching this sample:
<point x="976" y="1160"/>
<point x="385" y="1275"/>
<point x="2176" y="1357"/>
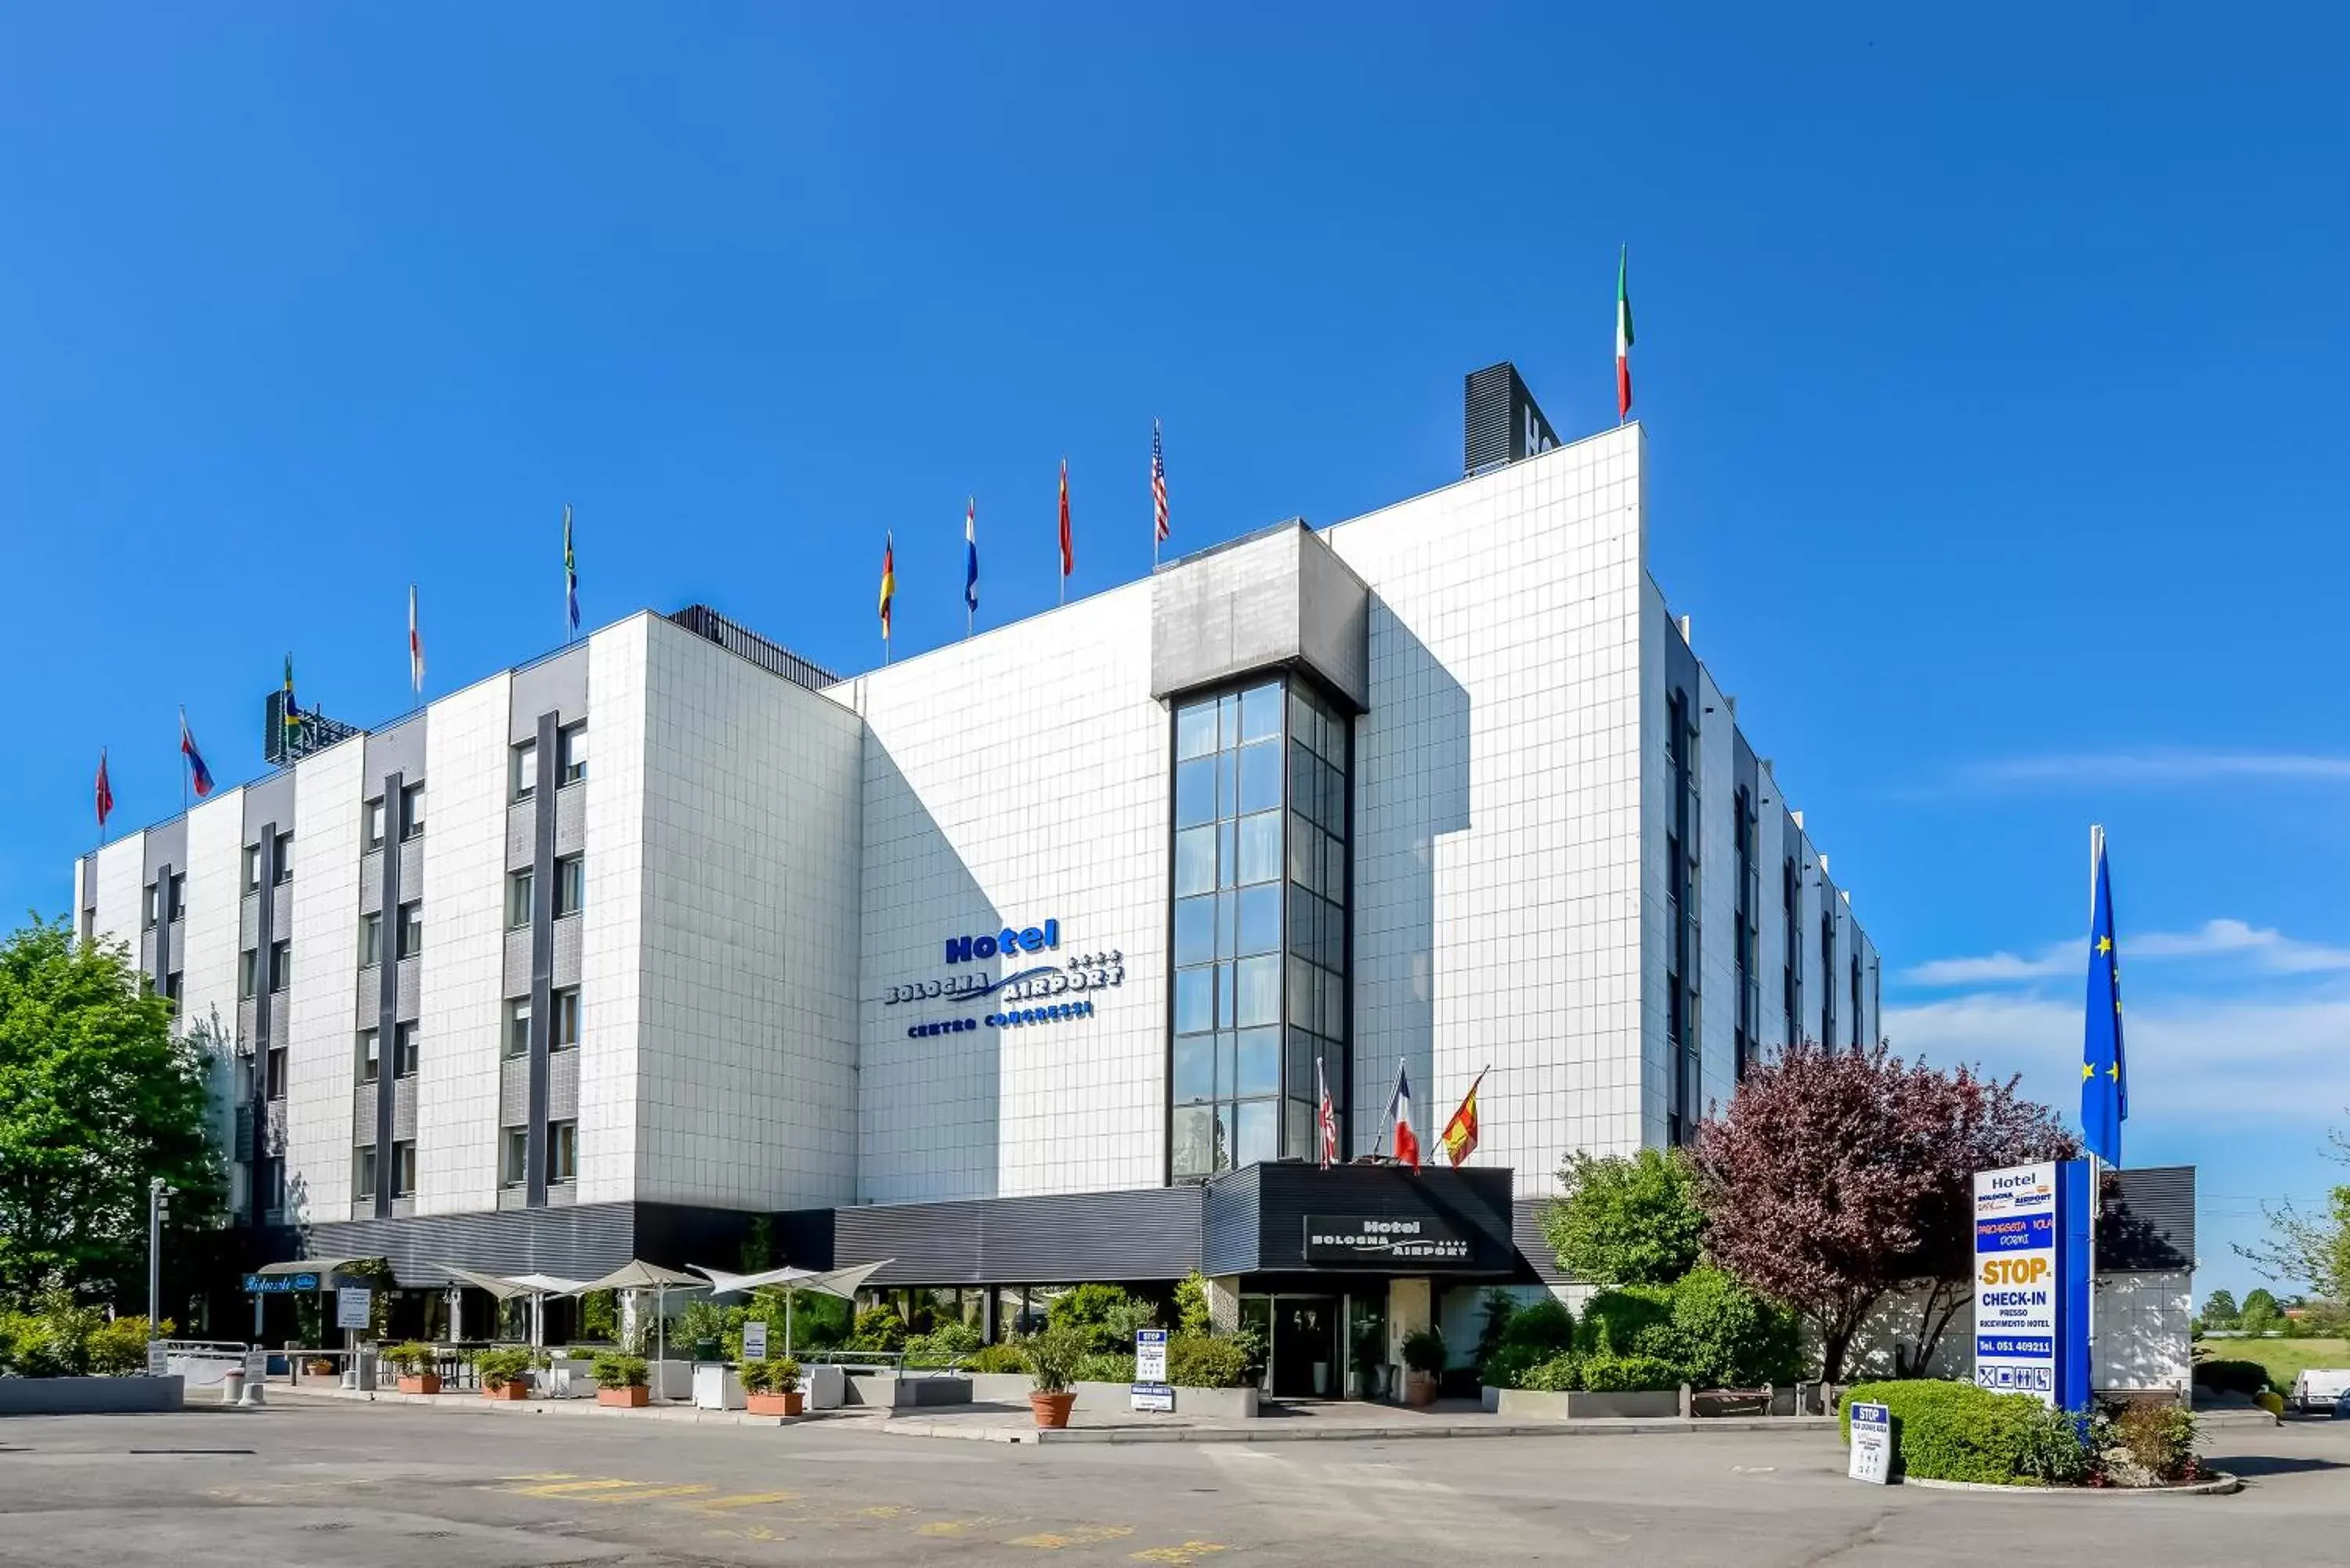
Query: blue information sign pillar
<point x="2076" y="1261"/>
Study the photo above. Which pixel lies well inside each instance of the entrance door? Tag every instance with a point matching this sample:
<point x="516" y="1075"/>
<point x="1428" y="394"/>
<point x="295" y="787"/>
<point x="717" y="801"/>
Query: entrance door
<point x="1307" y="1362"/>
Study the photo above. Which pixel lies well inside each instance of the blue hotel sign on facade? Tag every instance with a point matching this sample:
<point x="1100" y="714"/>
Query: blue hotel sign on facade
<point x="1051" y="992"/>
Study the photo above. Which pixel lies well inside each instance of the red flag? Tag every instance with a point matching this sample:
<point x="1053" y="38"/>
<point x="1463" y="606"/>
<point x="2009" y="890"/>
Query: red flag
<point x="1068" y="550"/>
<point x="104" y="791"/>
<point x="1461" y="1132"/>
<point x="1326" y="1118"/>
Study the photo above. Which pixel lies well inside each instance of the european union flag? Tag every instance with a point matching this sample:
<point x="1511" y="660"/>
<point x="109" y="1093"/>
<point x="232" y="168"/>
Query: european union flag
<point x="2104" y="1080"/>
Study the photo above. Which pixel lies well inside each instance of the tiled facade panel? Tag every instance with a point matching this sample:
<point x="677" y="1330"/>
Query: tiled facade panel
<point x="209" y="961"/>
<point x="463" y="892"/>
<point x="312" y="1018"/>
<point x="1717" y="898"/>
<point x="746" y="1044"/>
<point x="123" y="890"/>
<point x="1026" y="783"/>
<point x="612" y="923"/>
<point x="1497" y="804"/>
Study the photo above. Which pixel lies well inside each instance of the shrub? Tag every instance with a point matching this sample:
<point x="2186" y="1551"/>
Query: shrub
<point x="2232" y="1376"/>
<point x="119" y="1349"/>
<point x="775" y="1374"/>
<point x="1099" y="1312"/>
<point x="1631" y="1320"/>
<point x="1560" y="1375"/>
<point x="1423" y="1351"/>
<point x="614" y="1370"/>
<point x="1099" y="1367"/>
<point x="499" y="1368"/>
<point x="995" y="1358"/>
<point x="2158" y="1436"/>
<point x="54" y="1340"/>
<point x="1956" y="1432"/>
<point x="1531" y="1336"/>
<point x="1605" y="1374"/>
<point x="877" y="1328"/>
<point x="1191" y="1314"/>
<point x="1053" y="1353"/>
<point x="1722" y="1335"/>
<point x="600" y="1315"/>
<point x="410" y="1357"/>
<point x="1495" y="1309"/>
<point x="1624" y="1220"/>
<point x="942" y="1345"/>
<point x="1207" y="1361"/>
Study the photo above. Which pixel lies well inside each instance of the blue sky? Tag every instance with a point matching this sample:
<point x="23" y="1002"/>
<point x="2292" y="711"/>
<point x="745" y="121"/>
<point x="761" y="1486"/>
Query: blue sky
<point x="1991" y="373"/>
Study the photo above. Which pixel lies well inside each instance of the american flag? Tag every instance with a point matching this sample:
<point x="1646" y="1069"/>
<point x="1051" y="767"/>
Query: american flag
<point x="1158" y="485"/>
<point x="1326" y="1118"/>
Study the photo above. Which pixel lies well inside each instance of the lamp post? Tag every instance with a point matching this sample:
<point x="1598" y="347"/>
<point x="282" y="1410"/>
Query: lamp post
<point x="158" y="1196"/>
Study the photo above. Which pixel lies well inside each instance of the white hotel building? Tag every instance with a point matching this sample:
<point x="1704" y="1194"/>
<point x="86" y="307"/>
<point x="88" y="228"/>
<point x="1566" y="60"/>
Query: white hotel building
<point x="609" y="954"/>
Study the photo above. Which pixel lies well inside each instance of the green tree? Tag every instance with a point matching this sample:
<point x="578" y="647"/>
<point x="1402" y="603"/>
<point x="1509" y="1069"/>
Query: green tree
<point x="2220" y="1310"/>
<point x="2308" y="1247"/>
<point x="1626" y="1221"/>
<point x="97" y="1095"/>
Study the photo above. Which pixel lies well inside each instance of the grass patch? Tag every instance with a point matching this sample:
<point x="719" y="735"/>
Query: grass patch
<point x="2285" y="1358"/>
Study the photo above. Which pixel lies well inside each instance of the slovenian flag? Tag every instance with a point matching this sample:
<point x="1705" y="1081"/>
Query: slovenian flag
<point x="1406" y="1142"/>
<point x="198" y="774"/>
<point x="1623" y="335"/>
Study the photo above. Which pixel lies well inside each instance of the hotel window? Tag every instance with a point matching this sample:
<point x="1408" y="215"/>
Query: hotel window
<point x="562" y="1151"/>
<point x="273" y="1085"/>
<point x="171" y="984"/>
<point x="518" y="1027"/>
<point x="281" y="965"/>
<point x="403" y="1168"/>
<point x="562" y="1023"/>
<point x="285" y="859"/>
<point x="370" y="1055"/>
<point x="363" y="1172"/>
<point x="252" y="867"/>
<point x="371" y="939"/>
<point x="175" y="897"/>
<point x="411" y="812"/>
<point x="373" y="828"/>
<point x="154" y="904"/>
<point x="571" y="754"/>
<point x="570" y="884"/>
<point x="1260" y="923"/>
<point x="411" y="927"/>
<point x="524" y="783"/>
<point x="520" y="885"/>
<point x="514" y="1157"/>
<point x="248" y="974"/>
<point x="403" y="1050"/>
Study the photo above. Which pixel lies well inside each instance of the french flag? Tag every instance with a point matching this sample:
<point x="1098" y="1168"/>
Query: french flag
<point x="199" y="775"/>
<point x="1406" y="1142"/>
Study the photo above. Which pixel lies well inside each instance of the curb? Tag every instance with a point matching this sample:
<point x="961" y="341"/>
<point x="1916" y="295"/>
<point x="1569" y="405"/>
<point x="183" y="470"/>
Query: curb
<point x="577" y="1409"/>
<point x="1283" y="1433"/>
<point x="2221" y="1485"/>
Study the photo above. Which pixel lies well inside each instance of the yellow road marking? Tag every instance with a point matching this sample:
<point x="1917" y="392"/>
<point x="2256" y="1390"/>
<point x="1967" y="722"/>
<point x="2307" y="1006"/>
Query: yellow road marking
<point x="1189" y="1551"/>
<point x="1076" y="1535"/>
<point x="748" y="1532"/>
<point x="651" y="1493"/>
<point x="543" y="1476"/>
<point x="879" y="1510"/>
<point x="570" y="1487"/>
<point x="744" y="1499"/>
<point x="957" y="1526"/>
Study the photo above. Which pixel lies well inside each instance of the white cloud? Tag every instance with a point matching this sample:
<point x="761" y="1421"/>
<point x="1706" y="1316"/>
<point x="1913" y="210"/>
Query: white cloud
<point x="2191" y="1063"/>
<point x="2263" y="947"/>
<point x="2160" y="767"/>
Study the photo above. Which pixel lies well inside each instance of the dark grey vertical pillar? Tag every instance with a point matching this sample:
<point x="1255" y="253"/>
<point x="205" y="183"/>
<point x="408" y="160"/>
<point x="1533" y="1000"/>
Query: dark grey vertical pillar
<point x="387" y="1028"/>
<point x="264" y="937"/>
<point x="162" y="926"/>
<point x="542" y="954"/>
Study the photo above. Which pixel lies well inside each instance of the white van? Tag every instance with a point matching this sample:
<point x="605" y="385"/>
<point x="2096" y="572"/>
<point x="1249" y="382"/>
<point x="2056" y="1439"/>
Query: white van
<point x="2319" y="1387"/>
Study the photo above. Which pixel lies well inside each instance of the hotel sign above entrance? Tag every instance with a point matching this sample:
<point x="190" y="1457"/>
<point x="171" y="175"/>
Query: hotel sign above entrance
<point x="1375" y="1239"/>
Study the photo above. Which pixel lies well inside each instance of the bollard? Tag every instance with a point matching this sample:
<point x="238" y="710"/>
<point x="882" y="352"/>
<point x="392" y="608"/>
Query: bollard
<point x="233" y="1386"/>
<point x="253" y="1396"/>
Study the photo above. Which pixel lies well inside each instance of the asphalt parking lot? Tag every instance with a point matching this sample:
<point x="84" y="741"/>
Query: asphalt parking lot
<point x="384" y="1486"/>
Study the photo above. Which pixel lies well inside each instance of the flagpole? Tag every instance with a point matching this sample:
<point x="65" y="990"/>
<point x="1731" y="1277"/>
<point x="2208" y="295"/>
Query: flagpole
<point x="2096" y="1179"/>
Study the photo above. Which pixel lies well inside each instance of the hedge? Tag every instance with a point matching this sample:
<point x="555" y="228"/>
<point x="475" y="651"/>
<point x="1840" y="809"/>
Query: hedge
<point x="2232" y="1377"/>
<point x="1956" y="1432"/>
<point x="1629" y="1373"/>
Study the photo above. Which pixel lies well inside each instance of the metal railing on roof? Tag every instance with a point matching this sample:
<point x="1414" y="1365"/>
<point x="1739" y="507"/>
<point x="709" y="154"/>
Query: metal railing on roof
<point x="742" y="641"/>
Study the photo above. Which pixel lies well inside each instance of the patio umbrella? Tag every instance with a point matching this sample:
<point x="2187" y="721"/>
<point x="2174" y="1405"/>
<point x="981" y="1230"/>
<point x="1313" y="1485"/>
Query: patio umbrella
<point x="541" y="1287"/>
<point x="843" y="1282"/>
<point x="636" y="1274"/>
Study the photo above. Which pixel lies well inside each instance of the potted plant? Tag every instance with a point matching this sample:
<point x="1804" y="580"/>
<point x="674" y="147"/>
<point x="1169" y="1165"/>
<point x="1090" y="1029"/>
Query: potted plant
<point x="620" y="1380"/>
<point x="1053" y="1355"/>
<point x="419" y="1370"/>
<point x="505" y="1373"/>
<point x="1424" y="1358"/>
<point x="321" y="1366"/>
<point x="773" y="1388"/>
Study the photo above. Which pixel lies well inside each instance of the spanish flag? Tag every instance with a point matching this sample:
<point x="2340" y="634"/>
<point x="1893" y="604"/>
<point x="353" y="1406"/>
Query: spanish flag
<point x="1461" y="1132"/>
<point x="888" y="579"/>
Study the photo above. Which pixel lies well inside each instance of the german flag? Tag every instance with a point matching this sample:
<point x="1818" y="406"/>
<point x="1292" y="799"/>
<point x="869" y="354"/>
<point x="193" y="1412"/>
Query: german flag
<point x="1461" y="1133"/>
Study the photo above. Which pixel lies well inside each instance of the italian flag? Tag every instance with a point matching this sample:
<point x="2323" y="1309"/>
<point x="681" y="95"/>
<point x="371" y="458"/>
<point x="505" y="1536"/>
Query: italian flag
<point x="1623" y="336"/>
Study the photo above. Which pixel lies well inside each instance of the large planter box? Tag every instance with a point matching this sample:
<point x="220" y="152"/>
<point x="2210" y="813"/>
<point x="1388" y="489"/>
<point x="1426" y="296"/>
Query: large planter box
<point x="826" y="1386"/>
<point x="1001" y="1387"/>
<point x="510" y="1393"/>
<point x="892" y="1391"/>
<point x="568" y="1377"/>
<point x="420" y="1383"/>
<point x="790" y="1404"/>
<point x="632" y="1398"/>
<point x="90" y="1396"/>
<point x="716" y="1387"/>
<point x="1117" y="1399"/>
<point x="1527" y="1405"/>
